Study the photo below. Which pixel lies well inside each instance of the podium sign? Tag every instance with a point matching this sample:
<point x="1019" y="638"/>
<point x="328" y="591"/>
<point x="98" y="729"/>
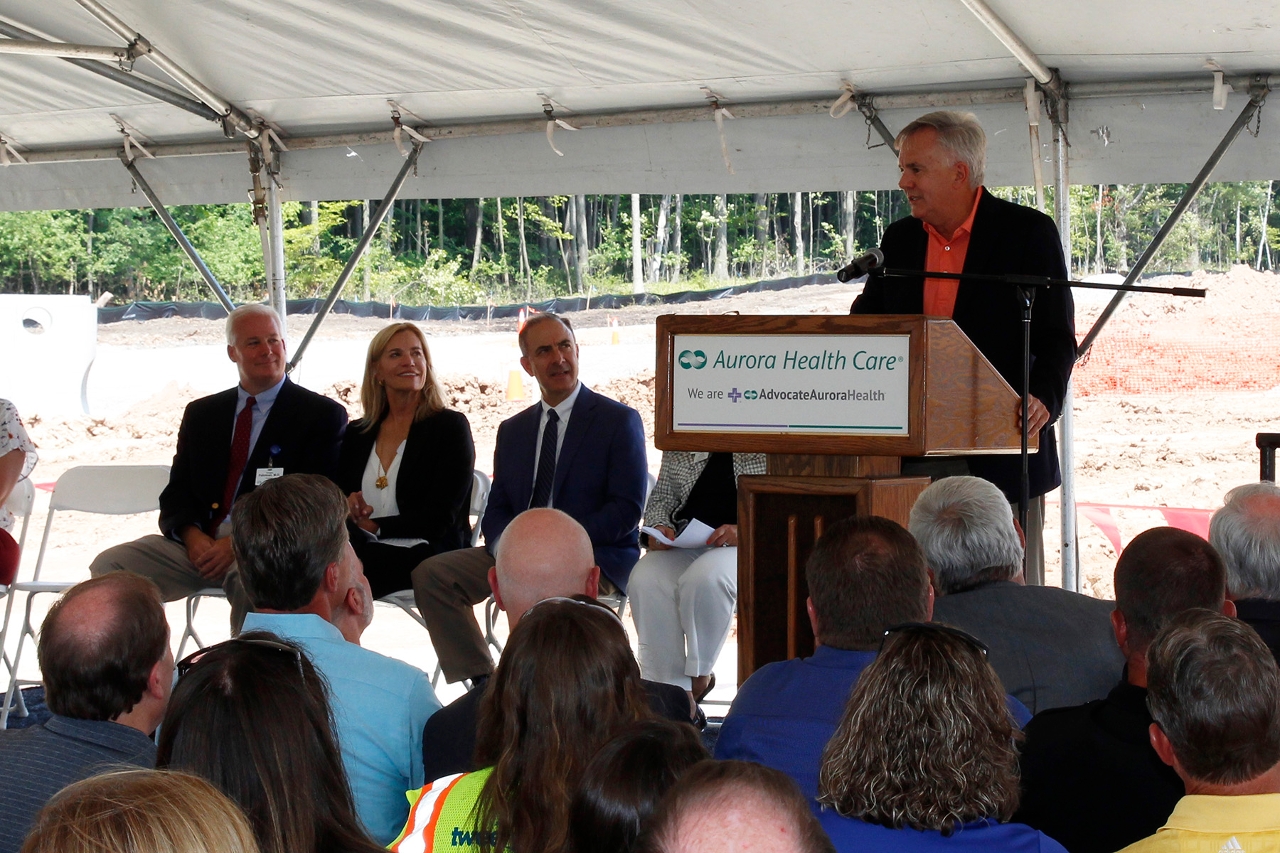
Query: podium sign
<point x="789" y="384"/>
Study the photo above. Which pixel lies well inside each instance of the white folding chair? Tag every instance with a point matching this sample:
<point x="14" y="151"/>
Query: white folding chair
<point x="21" y="502"/>
<point x="102" y="489"/>
<point x="404" y="598"/>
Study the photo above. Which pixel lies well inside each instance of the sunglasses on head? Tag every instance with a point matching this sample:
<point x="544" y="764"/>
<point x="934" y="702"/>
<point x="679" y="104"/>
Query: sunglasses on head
<point x="184" y="665"/>
<point x="937" y="628"/>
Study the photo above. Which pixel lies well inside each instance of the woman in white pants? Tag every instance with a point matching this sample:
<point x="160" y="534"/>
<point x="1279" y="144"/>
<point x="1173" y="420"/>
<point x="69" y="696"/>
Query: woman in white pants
<point x="682" y="599"/>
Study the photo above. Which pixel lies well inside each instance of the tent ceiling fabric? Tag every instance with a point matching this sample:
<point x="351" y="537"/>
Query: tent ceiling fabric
<point x="319" y="67"/>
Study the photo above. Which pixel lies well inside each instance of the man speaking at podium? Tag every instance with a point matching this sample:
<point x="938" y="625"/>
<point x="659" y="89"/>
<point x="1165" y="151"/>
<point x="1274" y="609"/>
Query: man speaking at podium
<point x="957" y="226"/>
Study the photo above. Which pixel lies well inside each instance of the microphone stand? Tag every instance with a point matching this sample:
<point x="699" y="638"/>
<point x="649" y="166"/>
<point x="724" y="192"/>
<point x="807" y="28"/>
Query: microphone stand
<point x="1028" y="286"/>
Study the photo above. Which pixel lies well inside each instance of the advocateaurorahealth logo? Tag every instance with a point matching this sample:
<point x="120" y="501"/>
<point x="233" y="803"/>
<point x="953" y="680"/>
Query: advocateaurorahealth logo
<point x="696" y="359"/>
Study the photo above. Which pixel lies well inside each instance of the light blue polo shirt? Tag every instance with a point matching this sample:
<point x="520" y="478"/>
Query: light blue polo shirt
<point x="380" y="706"/>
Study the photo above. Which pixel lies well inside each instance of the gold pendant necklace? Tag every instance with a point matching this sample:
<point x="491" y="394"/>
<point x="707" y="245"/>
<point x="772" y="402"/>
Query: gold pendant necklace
<point x="381" y="482"/>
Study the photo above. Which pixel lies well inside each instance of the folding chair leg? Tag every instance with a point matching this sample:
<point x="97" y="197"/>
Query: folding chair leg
<point x="13" y="675"/>
<point x="189" y="632"/>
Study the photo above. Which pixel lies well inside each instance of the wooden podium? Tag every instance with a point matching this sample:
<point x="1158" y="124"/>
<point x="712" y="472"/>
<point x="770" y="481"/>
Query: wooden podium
<point x="950" y="402"/>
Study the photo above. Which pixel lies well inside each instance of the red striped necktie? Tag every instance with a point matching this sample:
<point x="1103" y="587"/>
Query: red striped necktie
<point x="239" y="455"/>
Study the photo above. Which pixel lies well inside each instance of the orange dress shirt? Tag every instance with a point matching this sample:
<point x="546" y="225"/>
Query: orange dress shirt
<point x="946" y="256"/>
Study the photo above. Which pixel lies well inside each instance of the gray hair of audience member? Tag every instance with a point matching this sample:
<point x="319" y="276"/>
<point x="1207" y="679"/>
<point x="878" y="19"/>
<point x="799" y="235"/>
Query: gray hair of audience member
<point x="959" y="134"/>
<point x="538" y="319"/>
<point x="865" y="573"/>
<point x="284" y="534"/>
<point x="233" y="319"/>
<point x="1214" y="689"/>
<point x="926" y="739"/>
<point x="965" y="526"/>
<point x="727" y="796"/>
<point x="131" y="810"/>
<point x="98" y="668"/>
<point x="1165" y="571"/>
<point x="1246" y="532"/>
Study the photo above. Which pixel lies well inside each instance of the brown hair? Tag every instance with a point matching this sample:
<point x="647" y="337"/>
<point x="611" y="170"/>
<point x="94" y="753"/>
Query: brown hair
<point x="567" y="682"/>
<point x="373" y="396"/>
<point x="149" y="810"/>
<point x="536" y="320"/>
<point x="1163" y="572"/>
<point x="714" y="787"/>
<point x="99" y="671"/>
<point x="1214" y="689"/>
<point x="254" y="720"/>
<point x="926" y="739"/>
<point x="865" y="574"/>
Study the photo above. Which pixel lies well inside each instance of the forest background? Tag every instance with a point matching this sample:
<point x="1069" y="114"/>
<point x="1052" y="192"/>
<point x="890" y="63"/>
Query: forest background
<point x="504" y="250"/>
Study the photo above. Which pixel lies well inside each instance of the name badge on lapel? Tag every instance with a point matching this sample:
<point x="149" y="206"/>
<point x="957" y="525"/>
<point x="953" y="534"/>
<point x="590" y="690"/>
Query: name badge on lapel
<point x="264" y="474"/>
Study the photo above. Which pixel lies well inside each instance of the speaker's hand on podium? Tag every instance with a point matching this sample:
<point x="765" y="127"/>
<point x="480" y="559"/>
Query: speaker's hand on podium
<point x="1038" y="415"/>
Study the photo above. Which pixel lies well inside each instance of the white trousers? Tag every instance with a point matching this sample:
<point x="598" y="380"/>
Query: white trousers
<point x="682" y="601"/>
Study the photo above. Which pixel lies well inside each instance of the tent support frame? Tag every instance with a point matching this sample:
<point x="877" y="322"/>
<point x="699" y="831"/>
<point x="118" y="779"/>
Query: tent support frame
<point x="176" y="231"/>
<point x="370" y="231"/>
<point x="1258" y="91"/>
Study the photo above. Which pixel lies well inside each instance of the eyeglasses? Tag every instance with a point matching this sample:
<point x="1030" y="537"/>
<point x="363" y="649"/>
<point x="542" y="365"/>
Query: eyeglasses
<point x="937" y="628"/>
<point x="184" y="665"/>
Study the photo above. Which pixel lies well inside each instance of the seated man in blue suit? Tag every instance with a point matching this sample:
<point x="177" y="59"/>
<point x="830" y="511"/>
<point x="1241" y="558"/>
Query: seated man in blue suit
<point x="574" y="450"/>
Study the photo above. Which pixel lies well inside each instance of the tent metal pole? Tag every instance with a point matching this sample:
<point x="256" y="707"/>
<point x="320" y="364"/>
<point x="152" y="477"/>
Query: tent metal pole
<point x="275" y="265"/>
<point x="1070" y="559"/>
<point x="1257" y="95"/>
<point x="183" y="242"/>
<point x="370" y="231"/>
<point x="64" y="50"/>
<point x="1015" y="45"/>
<point x="124" y="78"/>
<point x="140" y="45"/>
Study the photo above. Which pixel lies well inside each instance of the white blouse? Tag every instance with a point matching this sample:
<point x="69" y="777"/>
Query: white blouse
<point x="13" y="436"/>
<point x="383" y="500"/>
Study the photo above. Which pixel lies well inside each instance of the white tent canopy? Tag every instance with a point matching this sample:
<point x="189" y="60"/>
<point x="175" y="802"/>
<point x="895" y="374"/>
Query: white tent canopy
<point x="473" y="77"/>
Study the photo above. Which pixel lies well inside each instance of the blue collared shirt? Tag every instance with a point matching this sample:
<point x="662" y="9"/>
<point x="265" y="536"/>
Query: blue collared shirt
<point x="786" y="712"/>
<point x="380" y="705"/>
<point x="989" y="836"/>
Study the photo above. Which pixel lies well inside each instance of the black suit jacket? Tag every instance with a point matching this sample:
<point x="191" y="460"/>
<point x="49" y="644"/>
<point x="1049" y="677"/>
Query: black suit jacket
<point x="1090" y="778"/>
<point x="433" y="489"/>
<point x="449" y="738"/>
<point x="1006" y="238"/>
<point x="302" y="434"/>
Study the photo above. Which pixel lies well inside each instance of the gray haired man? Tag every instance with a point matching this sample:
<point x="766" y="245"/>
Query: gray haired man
<point x="1246" y="532"/>
<point x="1049" y="646"/>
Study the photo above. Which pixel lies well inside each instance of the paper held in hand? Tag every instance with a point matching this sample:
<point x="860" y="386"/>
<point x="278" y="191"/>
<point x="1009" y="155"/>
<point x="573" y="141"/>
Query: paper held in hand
<point x="694" y="535"/>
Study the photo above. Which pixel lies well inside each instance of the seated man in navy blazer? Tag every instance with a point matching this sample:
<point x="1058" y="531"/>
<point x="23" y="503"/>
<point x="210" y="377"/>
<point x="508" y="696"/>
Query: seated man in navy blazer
<point x="574" y="450"/>
<point x="228" y="444"/>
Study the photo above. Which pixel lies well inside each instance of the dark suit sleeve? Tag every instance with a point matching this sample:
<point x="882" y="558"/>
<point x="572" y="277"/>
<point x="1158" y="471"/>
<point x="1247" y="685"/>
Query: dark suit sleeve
<point x="443" y="483"/>
<point x="328" y="423"/>
<point x="1053" y="328"/>
<point x="627" y="469"/>
<point x="180" y="506"/>
<point x="500" y="510"/>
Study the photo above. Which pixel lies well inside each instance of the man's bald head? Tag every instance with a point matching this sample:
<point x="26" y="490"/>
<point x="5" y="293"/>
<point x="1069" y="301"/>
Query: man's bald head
<point x="99" y="644"/>
<point x="734" y="807"/>
<point x="542" y="554"/>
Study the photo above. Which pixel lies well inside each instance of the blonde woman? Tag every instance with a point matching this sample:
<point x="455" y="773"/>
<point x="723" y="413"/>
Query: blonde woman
<point x="128" y="811"/>
<point x="406" y="466"/>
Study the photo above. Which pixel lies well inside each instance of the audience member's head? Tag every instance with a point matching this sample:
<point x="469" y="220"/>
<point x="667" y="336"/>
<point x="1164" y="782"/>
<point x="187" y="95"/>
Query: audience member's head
<point x="965" y="526"/>
<point x="252" y="716"/>
<point x="1246" y="532"/>
<point x="291" y="546"/>
<point x="393" y="348"/>
<point x="543" y="553"/>
<point x="1214" y="692"/>
<point x="140" y="811"/>
<point x="567" y="682"/>
<point x="926" y="740"/>
<point x="738" y="806"/>
<point x="865" y="573"/>
<point x="1163" y="572"/>
<point x="104" y="652"/>
<point x="625" y="780"/>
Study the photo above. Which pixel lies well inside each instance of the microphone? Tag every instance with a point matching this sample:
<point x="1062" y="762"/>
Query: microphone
<point x="858" y="267"/>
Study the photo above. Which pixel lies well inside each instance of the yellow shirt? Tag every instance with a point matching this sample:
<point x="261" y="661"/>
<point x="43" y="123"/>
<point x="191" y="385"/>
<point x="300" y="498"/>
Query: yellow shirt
<point x="1205" y="824"/>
